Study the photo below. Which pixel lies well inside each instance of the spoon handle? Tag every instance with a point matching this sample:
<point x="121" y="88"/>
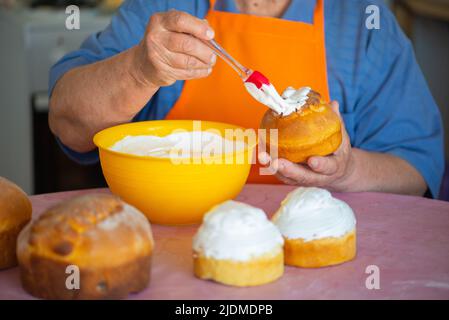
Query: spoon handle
<point x="243" y="72"/>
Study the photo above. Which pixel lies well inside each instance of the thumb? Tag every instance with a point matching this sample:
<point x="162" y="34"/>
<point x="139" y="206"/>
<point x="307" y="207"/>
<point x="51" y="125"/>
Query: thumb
<point x="335" y="107"/>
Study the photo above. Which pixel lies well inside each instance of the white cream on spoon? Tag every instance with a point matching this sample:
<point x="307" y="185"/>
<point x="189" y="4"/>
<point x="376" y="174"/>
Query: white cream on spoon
<point x="290" y="101"/>
<point x="260" y="87"/>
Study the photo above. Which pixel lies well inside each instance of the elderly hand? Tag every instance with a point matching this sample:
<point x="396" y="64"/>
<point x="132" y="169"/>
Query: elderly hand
<point x="330" y="172"/>
<point x="172" y="49"/>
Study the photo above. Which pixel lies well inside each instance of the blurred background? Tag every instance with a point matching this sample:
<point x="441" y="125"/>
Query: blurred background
<point x="33" y="37"/>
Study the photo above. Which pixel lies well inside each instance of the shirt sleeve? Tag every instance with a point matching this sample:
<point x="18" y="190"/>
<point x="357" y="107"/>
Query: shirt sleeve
<point x="125" y="30"/>
<point x="395" y="112"/>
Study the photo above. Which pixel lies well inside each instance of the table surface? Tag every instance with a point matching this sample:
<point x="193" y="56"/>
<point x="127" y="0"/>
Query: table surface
<point x="407" y="238"/>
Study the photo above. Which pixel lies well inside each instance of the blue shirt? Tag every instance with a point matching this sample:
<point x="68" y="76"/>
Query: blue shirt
<point x="384" y="99"/>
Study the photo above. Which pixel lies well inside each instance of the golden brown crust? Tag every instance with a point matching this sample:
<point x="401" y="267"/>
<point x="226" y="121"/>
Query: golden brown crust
<point x="320" y="252"/>
<point x="8" y="241"/>
<point x="99" y="283"/>
<point x="257" y="271"/>
<point x="100" y="234"/>
<point x="15" y="207"/>
<point x="85" y="229"/>
<point x="79" y="214"/>
<point x="15" y="212"/>
<point x="314" y="130"/>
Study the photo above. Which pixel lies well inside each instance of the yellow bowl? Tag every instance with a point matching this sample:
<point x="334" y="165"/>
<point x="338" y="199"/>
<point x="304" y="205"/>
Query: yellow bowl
<point x="167" y="192"/>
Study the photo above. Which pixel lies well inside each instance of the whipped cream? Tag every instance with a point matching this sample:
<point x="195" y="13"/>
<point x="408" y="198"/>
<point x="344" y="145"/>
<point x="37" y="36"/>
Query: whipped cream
<point x="177" y="145"/>
<point x="312" y="213"/>
<point x="236" y="231"/>
<point x="290" y="101"/>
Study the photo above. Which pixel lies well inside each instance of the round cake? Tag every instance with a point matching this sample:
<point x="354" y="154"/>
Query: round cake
<point x="104" y="239"/>
<point x="318" y="230"/>
<point x="15" y="213"/>
<point x="313" y="130"/>
<point x="237" y="245"/>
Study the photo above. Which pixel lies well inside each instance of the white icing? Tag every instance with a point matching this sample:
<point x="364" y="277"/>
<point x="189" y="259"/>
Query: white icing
<point x="177" y="145"/>
<point x="236" y="231"/>
<point x="290" y="100"/>
<point x="312" y="213"/>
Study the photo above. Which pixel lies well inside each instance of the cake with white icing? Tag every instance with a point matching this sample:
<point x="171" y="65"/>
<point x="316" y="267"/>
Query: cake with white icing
<point x="319" y="230"/>
<point x="237" y="245"/>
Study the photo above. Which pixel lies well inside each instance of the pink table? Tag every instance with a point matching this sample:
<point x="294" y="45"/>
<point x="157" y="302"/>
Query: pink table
<point x="406" y="237"/>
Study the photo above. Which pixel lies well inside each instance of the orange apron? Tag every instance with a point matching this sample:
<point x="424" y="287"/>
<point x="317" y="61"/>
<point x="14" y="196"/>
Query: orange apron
<point x="289" y="53"/>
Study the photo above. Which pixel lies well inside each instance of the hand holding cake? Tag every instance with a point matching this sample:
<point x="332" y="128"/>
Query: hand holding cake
<point x="334" y="172"/>
<point x="309" y="131"/>
<point x="313" y="145"/>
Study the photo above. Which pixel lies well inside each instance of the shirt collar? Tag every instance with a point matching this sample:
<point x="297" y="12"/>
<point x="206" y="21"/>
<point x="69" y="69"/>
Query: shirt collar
<point x="298" y="10"/>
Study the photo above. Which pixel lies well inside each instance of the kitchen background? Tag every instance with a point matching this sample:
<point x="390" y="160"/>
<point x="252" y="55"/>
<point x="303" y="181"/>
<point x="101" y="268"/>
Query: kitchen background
<point x="33" y="37"/>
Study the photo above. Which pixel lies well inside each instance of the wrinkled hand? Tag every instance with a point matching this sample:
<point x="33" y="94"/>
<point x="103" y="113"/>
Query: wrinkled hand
<point x="172" y="49"/>
<point x="331" y="172"/>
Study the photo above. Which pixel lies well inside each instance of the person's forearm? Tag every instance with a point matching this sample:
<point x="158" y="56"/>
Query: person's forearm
<point x="383" y="173"/>
<point x="90" y="98"/>
<point x="109" y="92"/>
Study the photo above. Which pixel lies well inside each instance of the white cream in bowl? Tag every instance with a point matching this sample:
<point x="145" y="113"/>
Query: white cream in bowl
<point x="178" y="145"/>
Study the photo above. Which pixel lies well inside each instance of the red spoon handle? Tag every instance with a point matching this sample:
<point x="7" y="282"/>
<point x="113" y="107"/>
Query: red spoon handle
<point x="258" y="79"/>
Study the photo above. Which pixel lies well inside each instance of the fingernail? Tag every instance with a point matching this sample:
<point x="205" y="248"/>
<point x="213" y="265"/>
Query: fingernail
<point x="213" y="59"/>
<point x="314" y="163"/>
<point x="210" y="33"/>
<point x="209" y="70"/>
